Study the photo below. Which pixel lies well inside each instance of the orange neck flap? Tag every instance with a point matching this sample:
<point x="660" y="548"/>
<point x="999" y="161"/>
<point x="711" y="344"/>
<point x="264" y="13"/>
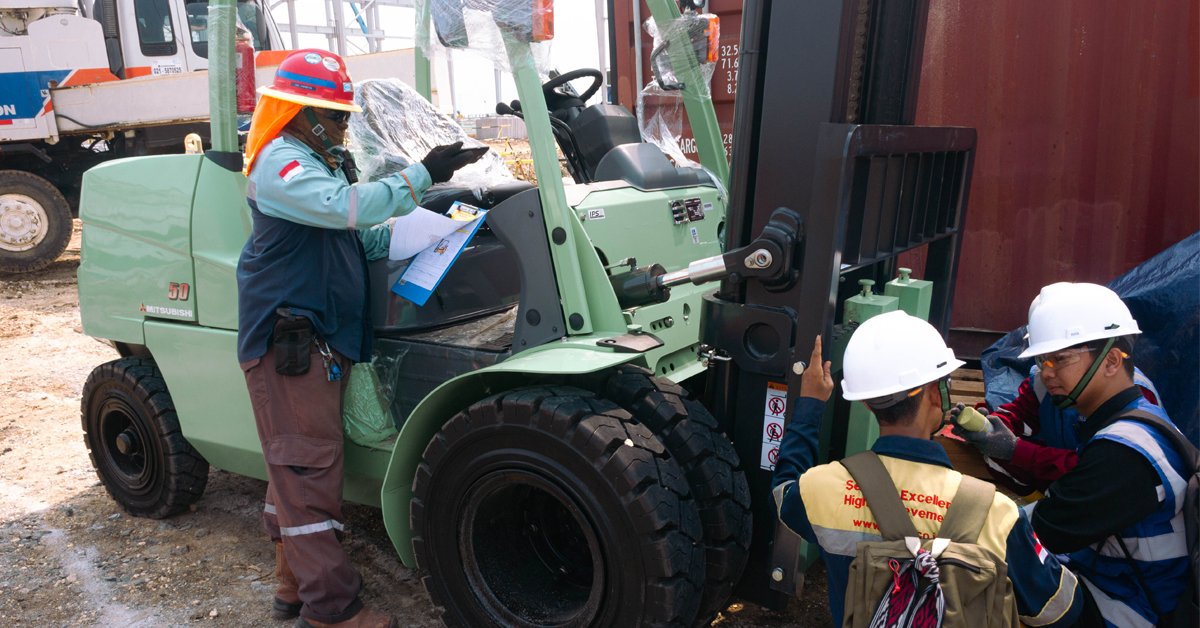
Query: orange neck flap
<point x="270" y="116"/>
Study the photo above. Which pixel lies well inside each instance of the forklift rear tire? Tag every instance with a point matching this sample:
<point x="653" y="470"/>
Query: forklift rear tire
<point x="35" y="222"/>
<point x="690" y="433"/>
<point x="133" y="438"/>
<point x="551" y="507"/>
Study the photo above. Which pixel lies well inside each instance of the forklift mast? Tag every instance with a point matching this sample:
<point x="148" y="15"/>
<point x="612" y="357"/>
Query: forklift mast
<point x="824" y="126"/>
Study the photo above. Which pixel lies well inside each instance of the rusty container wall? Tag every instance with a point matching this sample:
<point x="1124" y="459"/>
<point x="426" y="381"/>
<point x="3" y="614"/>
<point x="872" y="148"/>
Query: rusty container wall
<point x="724" y="81"/>
<point x="1088" y="120"/>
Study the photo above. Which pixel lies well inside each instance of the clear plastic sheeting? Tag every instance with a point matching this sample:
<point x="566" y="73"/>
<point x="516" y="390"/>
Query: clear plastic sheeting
<point x="398" y="127"/>
<point x="411" y="366"/>
<point x="697" y="30"/>
<point x="482" y="26"/>
<point x="366" y="408"/>
<point x="660" y="104"/>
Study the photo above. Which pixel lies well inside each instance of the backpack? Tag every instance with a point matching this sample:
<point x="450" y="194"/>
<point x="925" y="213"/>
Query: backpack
<point x="1187" y="611"/>
<point x="904" y="580"/>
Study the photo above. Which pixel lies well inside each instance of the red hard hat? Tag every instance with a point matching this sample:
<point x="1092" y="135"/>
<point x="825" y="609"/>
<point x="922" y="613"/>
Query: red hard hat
<point x="313" y="77"/>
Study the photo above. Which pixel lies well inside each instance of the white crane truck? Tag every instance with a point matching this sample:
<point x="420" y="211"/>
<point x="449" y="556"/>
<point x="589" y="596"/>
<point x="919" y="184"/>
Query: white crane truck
<point x="85" y="81"/>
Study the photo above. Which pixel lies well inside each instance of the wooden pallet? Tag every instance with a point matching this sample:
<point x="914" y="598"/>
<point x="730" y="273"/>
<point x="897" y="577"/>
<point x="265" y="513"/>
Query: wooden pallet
<point x="966" y="386"/>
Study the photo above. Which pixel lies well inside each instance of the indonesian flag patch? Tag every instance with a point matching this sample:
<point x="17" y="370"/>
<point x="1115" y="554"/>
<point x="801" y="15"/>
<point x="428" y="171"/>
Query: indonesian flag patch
<point x="291" y="171"/>
<point x="1037" y="547"/>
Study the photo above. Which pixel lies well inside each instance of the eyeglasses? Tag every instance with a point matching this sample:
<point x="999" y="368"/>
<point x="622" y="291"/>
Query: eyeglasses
<point x="1059" y="360"/>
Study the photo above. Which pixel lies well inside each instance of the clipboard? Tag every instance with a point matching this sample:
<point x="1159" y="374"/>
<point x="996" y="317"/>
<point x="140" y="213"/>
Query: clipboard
<point x="427" y="270"/>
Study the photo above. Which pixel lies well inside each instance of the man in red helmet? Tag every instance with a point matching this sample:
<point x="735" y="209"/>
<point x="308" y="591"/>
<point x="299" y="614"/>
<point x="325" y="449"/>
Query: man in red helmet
<point x="304" y="317"/>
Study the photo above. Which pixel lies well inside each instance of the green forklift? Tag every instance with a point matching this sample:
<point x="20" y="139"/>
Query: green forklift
<point x="580" y="407"/>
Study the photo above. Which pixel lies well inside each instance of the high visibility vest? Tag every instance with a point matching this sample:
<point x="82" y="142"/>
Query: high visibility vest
<point x="1157" y="543"/>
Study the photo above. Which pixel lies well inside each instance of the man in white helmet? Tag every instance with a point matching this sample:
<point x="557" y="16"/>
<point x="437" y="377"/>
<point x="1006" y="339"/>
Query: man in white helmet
<point x="1117" y="513"/>
<point x="899" y="366"/>
<point x="1032" y="439"/>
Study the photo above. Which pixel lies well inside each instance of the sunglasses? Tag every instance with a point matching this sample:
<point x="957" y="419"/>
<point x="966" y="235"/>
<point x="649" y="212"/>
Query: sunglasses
<point x="1059" y="360"/>
<point x="336" y="115"/>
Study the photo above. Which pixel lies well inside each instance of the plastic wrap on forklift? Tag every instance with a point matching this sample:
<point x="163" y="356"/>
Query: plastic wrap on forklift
<point x="410" y="366"/>
<point x="218" y="15"/>
<point x="366" y="406"/>
<point x="477" y="25"/>
<point x="398" y="127"/>
<point x="660" y="103"/>
<point x="1161" y="293"/>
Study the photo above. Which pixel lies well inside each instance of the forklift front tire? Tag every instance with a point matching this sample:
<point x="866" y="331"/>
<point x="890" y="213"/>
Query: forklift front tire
<point x="133" y="438"/>
<point x="690" y="432"/>
<point x="551" y="507"/>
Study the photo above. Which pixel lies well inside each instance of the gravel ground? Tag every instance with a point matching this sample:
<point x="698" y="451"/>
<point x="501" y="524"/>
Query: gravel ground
<point x="69" y="556"/>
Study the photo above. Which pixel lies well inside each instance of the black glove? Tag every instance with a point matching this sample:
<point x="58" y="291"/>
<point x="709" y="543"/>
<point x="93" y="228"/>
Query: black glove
<point x="442" y="161"/>
<point x="997" y="441"/>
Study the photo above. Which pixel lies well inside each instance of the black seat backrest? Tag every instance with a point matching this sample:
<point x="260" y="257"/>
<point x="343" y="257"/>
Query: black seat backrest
<point x="645" y="167"/>
<point x="600" y="128"/>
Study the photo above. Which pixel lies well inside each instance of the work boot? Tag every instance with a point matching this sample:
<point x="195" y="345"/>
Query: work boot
<point x="287" y="595"/>
<point x="366" y="618"/>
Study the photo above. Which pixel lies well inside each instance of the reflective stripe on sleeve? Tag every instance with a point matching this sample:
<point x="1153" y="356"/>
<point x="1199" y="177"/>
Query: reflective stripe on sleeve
<point x="779" y="492"/>
<point x="269" y="509"/>
<point x="1058" y="604"/>
<point x="312" y="528"/>
<point x="352" y="215"/>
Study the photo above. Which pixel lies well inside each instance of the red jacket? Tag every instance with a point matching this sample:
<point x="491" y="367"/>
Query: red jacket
<point x="1047" y="442"/>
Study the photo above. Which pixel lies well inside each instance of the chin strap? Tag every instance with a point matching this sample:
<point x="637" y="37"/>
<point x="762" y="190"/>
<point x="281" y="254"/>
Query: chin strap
<point x="334" y="153"/>
<point x="1063" y="403"/>
<point x="944" y="393"/>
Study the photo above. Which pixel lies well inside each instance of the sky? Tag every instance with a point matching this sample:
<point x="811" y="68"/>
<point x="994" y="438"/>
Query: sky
<point x="574" y="46"/>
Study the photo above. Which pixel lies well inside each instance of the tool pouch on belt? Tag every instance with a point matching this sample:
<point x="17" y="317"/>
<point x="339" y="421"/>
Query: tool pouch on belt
<point x="293" y="343"/>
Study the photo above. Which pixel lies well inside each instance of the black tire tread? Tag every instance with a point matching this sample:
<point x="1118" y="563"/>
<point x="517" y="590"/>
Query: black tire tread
<point x="656" y="491"/>
<point x="58" y="212"/>
<point x="187" y="470"/>
<point x="710" y="464"/>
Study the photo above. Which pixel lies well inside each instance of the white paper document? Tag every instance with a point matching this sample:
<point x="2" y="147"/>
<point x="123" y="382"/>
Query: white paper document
<point x="432" y="254"/>
<point x="420" y="230"/>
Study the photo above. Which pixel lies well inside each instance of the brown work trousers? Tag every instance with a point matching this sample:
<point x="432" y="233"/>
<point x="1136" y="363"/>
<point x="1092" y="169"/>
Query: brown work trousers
<point x="299" y="421"/>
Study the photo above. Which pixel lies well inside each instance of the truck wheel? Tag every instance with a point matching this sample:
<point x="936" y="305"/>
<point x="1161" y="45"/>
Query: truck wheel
<point x="550" y="507"/>
<point x="35" y="222"/>
<point x="133" y="438"/>
<point x="711" y="465"/>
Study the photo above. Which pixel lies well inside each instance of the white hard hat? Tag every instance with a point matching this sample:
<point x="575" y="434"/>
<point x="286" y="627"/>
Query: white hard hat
<point x="893" y="353"/>
<point x="1067" y="314"/>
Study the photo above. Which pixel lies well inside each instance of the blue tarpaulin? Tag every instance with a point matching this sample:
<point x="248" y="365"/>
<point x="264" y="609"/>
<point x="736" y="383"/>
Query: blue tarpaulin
<point x="1163" y="293"/>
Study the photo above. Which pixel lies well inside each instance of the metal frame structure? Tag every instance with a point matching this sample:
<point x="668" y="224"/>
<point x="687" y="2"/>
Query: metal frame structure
<point x="367" y="23"/>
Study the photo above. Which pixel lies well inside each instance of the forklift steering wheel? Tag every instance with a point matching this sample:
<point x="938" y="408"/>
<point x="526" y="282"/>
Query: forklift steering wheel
<point x="549" y="86"/>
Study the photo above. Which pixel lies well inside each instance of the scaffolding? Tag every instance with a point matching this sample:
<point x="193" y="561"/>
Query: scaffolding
<point x="346" y="23"/>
